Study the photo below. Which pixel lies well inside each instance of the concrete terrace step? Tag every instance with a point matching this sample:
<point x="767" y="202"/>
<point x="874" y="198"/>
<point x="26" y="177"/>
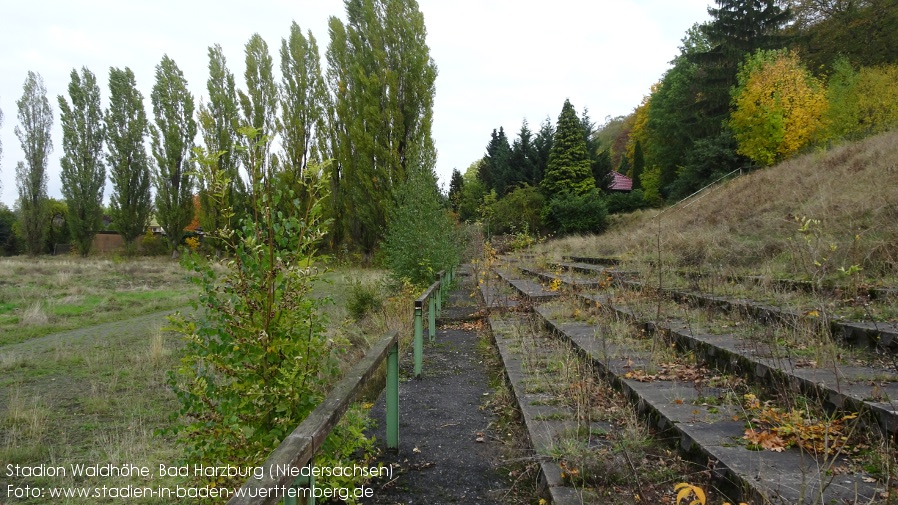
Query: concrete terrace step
<point x="877" y="335"/>
<point x="531" y="290"/>
<point x="605" y="261"/>
<point x="593" y="269"/>
<point x="762" y="476"/>
<point x="570" y="281"/>
<point x="541" y="427"/>
<point x="849" y="388"/>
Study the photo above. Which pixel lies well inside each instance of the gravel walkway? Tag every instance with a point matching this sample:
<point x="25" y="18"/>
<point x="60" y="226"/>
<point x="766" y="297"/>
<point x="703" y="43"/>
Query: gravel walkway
<point x="446" y="451"/>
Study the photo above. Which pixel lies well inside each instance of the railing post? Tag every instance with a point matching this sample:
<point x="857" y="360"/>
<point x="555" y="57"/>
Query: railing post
<point x="419" y="338"/>
<point x="439" y="294"/>
<point x="393" y="398"/>
<point x="302" y="482"/>
<point x="432" y="319"/>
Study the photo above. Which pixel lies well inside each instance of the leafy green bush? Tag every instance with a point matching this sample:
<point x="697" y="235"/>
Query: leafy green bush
<point x="570" y="213"/>
<point x="257" y="358"/>
<point x="519" y="210"/>
<point x="619" y="203"/>
<point x="421" y="235"/>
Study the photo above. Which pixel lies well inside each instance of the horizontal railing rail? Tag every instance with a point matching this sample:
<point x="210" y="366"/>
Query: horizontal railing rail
<point x="297" y="450"/>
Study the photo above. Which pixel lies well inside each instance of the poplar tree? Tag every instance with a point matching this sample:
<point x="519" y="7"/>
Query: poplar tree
<point x="83" y="170"/>
<point x="569" y="165"/>
<point x="302" y="101"/>
<point x="35" y="122"/>
<point x="259" y="106"/>
<point x="218" y="122"/>
<point x="382" y="79"/>
<point x="172" y="140"/>
<point x="130" y="204"/>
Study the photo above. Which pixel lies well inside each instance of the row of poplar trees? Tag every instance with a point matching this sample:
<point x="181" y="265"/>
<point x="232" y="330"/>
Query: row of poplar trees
<point x="364" y="123"/>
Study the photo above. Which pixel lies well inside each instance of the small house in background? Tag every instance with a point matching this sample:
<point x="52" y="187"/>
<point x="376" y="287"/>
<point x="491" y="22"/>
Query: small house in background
<point x="155" y="227"/>
<point x="620" y="182"/>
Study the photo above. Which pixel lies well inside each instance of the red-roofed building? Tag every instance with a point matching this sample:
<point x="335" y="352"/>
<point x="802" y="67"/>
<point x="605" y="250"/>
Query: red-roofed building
<point x="620" y="182"/>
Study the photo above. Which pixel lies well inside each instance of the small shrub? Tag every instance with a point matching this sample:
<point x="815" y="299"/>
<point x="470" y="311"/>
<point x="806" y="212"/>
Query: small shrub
<point x="570" y="213"/>
<point x="363" y="299"/>
<point x="152" y="244"/>
<point x="619" y="203"/>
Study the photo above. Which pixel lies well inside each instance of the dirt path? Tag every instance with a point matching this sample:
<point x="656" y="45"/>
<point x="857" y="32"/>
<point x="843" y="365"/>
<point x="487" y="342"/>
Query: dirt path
<point x="446" y="451"/>
<point x="98" y="335"/>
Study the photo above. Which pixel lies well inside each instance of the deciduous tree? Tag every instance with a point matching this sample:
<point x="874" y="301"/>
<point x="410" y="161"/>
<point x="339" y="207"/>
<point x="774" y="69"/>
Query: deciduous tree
<point x="779" y="107"/>
<point x="83" y="170"/>
<point x="126" y="125"/>
<point x="1" y="144"/>
<point x="862" y="102"/>
<point x="173" y="136"/>
<point x="302" y="101"/>
<point x="259" y="104"/>
<point x="35" y="122"/>
<point x="421" y="238"/>
<point x="382" y="80"/>
<point x="218" y="121"/>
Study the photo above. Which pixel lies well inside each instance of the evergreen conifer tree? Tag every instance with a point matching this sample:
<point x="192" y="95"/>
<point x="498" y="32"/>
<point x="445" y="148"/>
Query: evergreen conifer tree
<point x="456" y="187"/>
<point x="522" y="165"/>
<point x="542" y="145"/>
<point x="739" y="27"/>
<point x="569" y="165"/>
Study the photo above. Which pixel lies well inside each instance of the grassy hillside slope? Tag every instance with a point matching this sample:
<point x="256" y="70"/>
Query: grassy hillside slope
<point x="757" y="223"/>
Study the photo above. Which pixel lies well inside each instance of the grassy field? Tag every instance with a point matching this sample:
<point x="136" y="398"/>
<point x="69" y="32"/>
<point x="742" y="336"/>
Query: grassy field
<point x="84" y="361"/>
<point x="40" y="296"/>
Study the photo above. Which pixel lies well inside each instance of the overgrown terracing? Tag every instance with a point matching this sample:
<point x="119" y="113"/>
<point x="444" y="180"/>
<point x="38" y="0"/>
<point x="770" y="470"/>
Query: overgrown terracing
<point x="755" y="322"/>
<point x="771" y="424"/>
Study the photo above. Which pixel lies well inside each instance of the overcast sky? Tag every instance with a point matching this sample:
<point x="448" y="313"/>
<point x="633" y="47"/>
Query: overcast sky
<point x="499" y="61"/>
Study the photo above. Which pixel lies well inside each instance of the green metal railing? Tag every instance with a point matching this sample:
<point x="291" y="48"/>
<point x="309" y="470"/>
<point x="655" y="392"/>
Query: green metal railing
<point x="300" y="446"/>
<point x="433" y="297"/>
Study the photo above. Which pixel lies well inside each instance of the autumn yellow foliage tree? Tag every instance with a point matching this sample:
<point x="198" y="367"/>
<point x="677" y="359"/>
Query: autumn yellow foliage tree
<point x="779" y="107"/>
<point x="862" y="102"/>
<point x="640" y="130"/>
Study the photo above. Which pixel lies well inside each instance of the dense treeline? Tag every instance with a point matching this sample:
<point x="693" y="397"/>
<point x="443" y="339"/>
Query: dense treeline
<point x="363" y="124"/>
<point x="761" y="81"/>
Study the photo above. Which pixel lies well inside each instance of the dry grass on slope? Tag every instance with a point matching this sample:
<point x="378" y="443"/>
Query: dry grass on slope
<point x="753" y="223"/>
